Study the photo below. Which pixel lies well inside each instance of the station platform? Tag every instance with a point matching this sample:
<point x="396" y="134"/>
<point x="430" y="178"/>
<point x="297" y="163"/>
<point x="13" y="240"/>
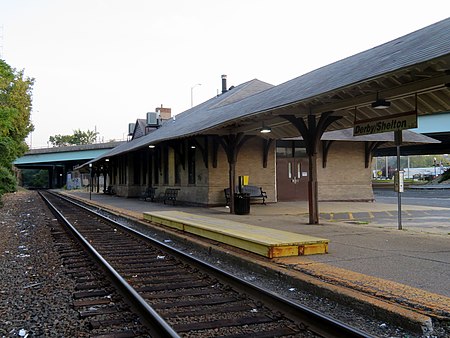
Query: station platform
<point x="394" y="270"/>
<point x="267" y="242"/>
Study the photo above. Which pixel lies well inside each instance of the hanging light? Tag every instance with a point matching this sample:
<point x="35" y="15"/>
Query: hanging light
<point x="151" y="146"/>
<point x="380" y="103"/>
<point x="265" y="129"/>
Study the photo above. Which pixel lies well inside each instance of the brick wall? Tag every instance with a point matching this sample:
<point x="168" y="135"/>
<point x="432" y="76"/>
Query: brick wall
<point x="250" y="163"/>
<point x="345" y="178"/>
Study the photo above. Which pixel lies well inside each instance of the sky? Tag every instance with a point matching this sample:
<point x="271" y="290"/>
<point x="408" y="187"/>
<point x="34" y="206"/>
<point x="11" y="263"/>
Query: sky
<point x="101" y="64"/>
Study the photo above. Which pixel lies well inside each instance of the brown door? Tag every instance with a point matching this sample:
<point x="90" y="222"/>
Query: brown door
<point x="292" y="179"/>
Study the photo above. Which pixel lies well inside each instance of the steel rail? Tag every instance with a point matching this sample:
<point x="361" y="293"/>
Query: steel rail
<point x="156" y="324"/>
<point x="321" y="324"/>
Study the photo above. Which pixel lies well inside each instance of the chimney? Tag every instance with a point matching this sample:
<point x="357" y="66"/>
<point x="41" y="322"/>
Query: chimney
<point x="224" y="84"/>
<point x="164" y="113"/>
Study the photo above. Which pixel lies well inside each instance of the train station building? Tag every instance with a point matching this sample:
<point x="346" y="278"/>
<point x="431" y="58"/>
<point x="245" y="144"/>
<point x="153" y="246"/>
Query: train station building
<point x="250" y="130"/>
<point x="293" y="140"/>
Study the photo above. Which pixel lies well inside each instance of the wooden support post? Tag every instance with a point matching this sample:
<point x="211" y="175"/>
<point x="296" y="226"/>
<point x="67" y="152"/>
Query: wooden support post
<point x="325" y="148"/>
<point x="311" y="133"/>
<point x="266" y="147"/>
<point x="232" y="144"/>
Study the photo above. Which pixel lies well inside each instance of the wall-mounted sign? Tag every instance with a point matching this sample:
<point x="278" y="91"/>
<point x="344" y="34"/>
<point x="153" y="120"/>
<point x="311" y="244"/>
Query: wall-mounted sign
<point x="384" y="124"/>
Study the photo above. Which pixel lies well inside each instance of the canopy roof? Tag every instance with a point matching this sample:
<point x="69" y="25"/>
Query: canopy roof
<point x="413" y="72"/>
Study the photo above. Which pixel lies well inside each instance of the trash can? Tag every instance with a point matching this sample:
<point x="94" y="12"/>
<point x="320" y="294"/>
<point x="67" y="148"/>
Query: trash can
<point x="241" y="203"/>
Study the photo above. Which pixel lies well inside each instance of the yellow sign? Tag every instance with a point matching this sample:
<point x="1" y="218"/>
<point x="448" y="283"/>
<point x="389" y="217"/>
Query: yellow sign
<point x="384" y="124"/>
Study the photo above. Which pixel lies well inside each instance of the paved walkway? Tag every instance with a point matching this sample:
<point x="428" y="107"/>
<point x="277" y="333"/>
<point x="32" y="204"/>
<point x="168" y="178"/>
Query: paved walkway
<point x="411" y="265"/>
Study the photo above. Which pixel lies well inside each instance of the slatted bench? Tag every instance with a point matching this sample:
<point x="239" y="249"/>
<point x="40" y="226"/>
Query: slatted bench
<point x="149" y="194"/>
<point x="170" y="194"/>
<point x="109" y="190"/>
<point x="254" y="192"/>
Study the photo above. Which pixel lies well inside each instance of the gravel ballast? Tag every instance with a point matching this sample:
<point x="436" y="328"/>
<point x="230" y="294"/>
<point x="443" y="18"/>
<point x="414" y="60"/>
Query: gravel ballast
<point x="36" y="293"/>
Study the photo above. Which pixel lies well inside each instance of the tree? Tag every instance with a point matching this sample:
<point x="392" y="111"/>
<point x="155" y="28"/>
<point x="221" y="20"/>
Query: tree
<point x="61" y="140"/>
<point x="84" y="137"/>
<point x="35" y="178"/>
<point x="15" y="124"/>
<point x="78" y="138"/>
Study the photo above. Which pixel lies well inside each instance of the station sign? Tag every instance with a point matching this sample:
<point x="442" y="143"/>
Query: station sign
<point x="407" y="120"/>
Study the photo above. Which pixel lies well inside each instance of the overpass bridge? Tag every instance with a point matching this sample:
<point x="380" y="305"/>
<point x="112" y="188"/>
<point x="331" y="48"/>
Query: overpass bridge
<point x="436" y="126"/>
<point x="58" y="161"/>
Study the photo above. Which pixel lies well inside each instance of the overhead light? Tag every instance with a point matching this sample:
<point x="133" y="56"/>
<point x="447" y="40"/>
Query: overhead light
<point x="265" y="129"/>
<point x="192" y="147"/>
<point x="151" y="146"/>
<point x="381" y="104"/>
<point x="107" y="160"/>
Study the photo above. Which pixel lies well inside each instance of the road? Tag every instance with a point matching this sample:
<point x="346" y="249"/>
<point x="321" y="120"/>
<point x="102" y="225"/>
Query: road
<point x="425" y="197"/>
<point x="432" y="221"/>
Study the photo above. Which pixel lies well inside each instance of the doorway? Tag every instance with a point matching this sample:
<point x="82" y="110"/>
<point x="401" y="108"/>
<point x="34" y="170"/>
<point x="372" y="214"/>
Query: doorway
<point x="292" y="171"/>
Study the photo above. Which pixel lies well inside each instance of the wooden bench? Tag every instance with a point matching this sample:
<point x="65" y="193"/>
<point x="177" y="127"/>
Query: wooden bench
<point x="254" y="192"/>
<point x="170" y="194"/>
<point x="109" y="190"/>
<point x="149" y="194"/>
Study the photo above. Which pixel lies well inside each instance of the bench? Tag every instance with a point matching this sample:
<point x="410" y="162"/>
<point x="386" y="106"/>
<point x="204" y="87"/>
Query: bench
<point x="149" y="194"/>
<point x="170" y="194"/>
<point x="109" y="190"/>
<point x="254" y="192"/>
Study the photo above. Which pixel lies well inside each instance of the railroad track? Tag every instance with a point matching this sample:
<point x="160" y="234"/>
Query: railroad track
<point x="178" y="295"/>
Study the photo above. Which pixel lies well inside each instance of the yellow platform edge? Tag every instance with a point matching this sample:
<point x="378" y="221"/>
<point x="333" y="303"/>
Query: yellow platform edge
<point x="193" y="224"/>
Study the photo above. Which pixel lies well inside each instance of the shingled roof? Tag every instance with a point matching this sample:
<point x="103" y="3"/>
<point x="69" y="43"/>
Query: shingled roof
<point x="403" y="62"/>
<point x="183" y="122"/>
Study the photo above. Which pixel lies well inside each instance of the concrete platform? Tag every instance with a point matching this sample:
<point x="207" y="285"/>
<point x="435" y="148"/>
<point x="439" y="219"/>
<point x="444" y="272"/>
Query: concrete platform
<point x="263" y="241"/>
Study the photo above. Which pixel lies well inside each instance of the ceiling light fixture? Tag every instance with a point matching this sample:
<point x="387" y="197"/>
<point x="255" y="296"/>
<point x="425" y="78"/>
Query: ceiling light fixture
<point x="380" y="103"/>
<point x="151" y="146"/>
<point x="265" y="129"/>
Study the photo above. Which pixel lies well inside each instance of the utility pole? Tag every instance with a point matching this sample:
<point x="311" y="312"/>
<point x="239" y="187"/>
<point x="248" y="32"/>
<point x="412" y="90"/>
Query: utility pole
<point x="1" y="42"/>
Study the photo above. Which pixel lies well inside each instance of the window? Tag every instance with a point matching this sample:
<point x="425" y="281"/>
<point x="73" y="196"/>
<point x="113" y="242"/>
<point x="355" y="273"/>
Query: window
<point x="288" y="149"/>
<point x="178" y="165"/>
<point x="166" y="165"/>
<point x="157" y="165"/>
<point x="136" y="169"/>
<point x="144" y="161"/>
<point x="122" y="170"/>
<point x="191" y="165"/>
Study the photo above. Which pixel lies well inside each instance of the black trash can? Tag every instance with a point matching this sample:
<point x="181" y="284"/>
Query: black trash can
<point x="241" y="204"/>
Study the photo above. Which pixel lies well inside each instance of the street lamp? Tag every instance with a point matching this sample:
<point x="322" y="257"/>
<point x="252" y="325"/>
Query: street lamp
<point x="90" y="181"/>
<point x="192" y="93"/>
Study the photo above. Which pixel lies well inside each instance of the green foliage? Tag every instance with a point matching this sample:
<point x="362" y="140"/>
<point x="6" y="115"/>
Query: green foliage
<point x="35" y="178"/>
<point x="15" y="124"/>
<point x="61" y="140"/>
<point x="78" y="138"/>
<point x="7" y="181"/>
<point x="445" y="176"/>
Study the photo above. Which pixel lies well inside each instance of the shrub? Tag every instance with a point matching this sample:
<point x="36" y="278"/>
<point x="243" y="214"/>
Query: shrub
<point x="7" y="181"/>
<point x="445" y="176"/>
